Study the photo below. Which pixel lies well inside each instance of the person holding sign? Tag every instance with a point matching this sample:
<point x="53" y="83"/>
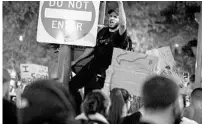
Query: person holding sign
<point x="92" y="75"/>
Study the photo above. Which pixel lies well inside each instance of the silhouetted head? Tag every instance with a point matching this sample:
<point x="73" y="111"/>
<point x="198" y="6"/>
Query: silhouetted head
<point x="46" y="101"/>
<point x="162" y="94"/>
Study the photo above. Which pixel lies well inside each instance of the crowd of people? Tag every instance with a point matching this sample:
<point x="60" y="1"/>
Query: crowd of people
<point x="47" y="101"/>
<point x="51" y="102"/>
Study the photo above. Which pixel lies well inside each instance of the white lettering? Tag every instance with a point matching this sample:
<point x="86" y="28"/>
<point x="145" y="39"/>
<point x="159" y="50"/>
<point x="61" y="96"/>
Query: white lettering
<point x="86" y="4"/>
<point x="61" y="24"/>
<point x="53" y="24"/>
<point x="79" y="26"/>
<point x="51" y="3"/>
<point x="78" y="4"/>
<point x="71" y="3"/>
<point x="59" y="3"/>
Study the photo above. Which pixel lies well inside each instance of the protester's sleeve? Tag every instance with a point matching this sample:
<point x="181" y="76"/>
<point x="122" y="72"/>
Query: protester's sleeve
<point x="122" y="42"/>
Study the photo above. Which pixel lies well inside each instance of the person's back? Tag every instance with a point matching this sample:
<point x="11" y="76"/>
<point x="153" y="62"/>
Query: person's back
<point x="134" y="118"/>
<point x="194" y="111"/>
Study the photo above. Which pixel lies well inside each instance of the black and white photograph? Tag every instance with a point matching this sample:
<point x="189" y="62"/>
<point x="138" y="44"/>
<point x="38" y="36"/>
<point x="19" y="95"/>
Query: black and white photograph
<point x="102" y="62"/>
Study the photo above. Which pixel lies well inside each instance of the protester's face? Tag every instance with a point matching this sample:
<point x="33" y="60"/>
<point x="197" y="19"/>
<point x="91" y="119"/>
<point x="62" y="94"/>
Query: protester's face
<point x="113" y="20"/>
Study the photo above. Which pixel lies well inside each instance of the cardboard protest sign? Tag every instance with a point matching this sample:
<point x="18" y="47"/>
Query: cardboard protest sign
<point x="129" y="70"/>
<point x="166" y="64"/>
<point x="68" y="22"/>
<point x="134" y="60"/>
<point x="32" y="72"/>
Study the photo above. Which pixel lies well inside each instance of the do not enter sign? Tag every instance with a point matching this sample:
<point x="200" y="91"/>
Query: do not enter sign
<point x="68" y="22"/>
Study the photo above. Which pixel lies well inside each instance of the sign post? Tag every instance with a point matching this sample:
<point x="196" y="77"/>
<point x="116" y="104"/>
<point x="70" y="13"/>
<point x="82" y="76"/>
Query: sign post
<point x="69" y="23"/>
<point x="199" y="54"/>
<point x="64" y="64"/>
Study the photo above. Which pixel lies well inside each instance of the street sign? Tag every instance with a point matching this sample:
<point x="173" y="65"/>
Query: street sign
<point x="68" y="22"/>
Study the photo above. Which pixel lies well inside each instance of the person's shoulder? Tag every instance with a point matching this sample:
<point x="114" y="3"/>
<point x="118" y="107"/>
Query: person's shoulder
<point x="133" y="118"/>
<point x="8" y="105"/>
<point x="188" y="121"/>
<point x="105" y="28"/>
<point x="136" y="114"/>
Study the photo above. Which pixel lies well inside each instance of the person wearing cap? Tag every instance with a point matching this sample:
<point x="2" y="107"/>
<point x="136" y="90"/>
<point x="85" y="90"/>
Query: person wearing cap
<point x="9" y="109"/>
<point x="92" y="75"/>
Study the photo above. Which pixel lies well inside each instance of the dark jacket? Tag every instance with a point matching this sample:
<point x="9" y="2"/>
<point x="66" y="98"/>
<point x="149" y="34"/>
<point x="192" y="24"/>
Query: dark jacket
<point x="9" y="112"/>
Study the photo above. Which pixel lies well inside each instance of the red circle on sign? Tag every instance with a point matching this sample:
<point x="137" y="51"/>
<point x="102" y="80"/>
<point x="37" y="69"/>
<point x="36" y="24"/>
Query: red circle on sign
<point x="71" y="20"/>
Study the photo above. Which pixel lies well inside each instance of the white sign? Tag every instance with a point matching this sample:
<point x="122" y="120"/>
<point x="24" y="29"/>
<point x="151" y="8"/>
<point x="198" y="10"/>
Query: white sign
<point x="68" y="22"/>
<point x="129" y="70"/>
<point x="166" y="65"/>
<point x="134" y="60"/>
<point x="32" y="72"/>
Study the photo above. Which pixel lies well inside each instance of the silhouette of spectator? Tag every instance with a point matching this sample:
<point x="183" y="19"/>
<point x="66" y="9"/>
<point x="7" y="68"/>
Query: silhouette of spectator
<point x="161" y="102"/>
<point x="194" y="111"/>
<point x="46" y="101"/>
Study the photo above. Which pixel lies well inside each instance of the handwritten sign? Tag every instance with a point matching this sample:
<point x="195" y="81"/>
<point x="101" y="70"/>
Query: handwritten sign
<point x="32" y="72"/>
<point x="129" y="70"/>
<point x="134" y="60"/>
<point x="166" y="64"/>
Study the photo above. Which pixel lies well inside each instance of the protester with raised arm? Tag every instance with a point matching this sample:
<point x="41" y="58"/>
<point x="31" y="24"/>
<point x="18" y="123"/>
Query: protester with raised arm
<point x="92" y="75"/>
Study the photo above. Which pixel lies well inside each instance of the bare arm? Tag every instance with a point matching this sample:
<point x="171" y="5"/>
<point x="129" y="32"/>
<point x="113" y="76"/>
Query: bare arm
<point x="122" y="18"/>
<point x="87" y="52"/>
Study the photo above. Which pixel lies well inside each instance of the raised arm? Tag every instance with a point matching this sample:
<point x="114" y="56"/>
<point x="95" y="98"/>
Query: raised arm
<point x="87" y="52"/>
<point x="122" y="18"/>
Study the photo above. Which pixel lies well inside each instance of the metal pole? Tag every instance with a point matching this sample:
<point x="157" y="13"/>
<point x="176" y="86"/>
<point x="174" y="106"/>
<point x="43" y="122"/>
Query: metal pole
<point x="199" y="54"/>
<point x="64" y="64"/>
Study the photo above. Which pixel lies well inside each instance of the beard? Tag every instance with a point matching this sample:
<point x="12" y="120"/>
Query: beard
<point x="115" y="26"/>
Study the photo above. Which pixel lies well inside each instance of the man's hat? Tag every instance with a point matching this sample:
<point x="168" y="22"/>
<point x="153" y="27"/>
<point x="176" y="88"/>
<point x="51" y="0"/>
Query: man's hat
<point x="114" y="10"/>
